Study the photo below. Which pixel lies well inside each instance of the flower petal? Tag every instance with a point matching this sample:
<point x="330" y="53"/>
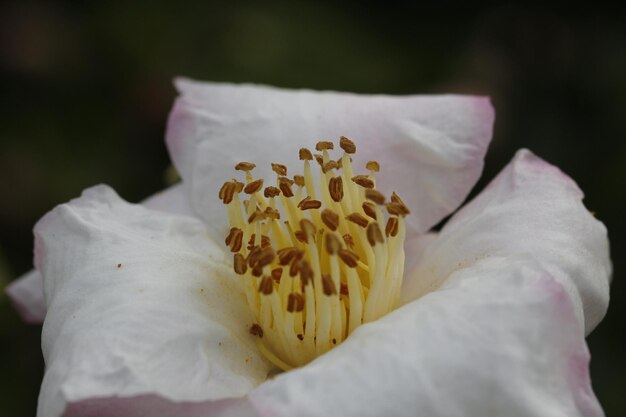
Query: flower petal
<point x="431" y="148"/>
<point x="531" y="208"/>
<point x="501" y="340"/>
<point x="26" y="293"/>
<point x="140" y="302"/>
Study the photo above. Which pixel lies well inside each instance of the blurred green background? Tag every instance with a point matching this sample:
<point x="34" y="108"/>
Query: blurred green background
<point x="86" y="89"/>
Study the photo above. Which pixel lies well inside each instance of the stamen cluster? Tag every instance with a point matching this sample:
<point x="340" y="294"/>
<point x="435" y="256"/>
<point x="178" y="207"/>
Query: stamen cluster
<point x="314" y="258"/>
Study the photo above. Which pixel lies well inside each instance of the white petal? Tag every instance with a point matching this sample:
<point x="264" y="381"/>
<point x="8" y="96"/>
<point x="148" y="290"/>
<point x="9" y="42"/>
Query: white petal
<point x="500" y="340"/>
<point x="431" y="148"/>
<point x="26" y="293"/>
<point x="531" y="208"/>
<point x="139" y="302"/>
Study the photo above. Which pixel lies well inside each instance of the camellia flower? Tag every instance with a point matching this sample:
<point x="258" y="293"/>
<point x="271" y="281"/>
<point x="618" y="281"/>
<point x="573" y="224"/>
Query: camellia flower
<point x="147" y="312"/>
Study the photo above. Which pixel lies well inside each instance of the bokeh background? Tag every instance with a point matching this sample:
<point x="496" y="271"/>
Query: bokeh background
<point x="86" y="89"/>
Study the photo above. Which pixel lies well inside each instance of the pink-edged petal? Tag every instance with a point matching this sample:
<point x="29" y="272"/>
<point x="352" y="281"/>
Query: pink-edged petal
<point x="531" y="208"/>
<point x="431" y="148"/>
<point x="26" y="293"/>
<point x="501" y="339"/>
<point x="140" y="302"/>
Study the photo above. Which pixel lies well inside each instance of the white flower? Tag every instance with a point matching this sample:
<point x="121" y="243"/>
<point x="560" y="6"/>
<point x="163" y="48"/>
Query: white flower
<point x="145" y="316"/>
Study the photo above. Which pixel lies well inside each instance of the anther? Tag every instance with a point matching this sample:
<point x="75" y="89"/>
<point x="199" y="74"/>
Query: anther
<point x="305" y="154"/>
<point x="392" y="227"/>
<point x="280" y="169"/>
<point x="253" y="256"/>
<point x="363" y="181"/>
<point x="375" y="196"/>
<point x="306" y="273"/>
<point x="271" y="192"/>
<point x="284" y="184"/>
<point x="347" y="145"/>
<point x="238" y="185"/>
<point x="349" y="258"/>
<point x="395" y="198"/>
<point x="271" y="213"/>
<point x="328" y="166"/>
<point x="253" y="186"/>
<point x="295" y="302"/>
<point x="324" y="146"/>
<point x="369" y="209"/>
<point x="277" y="273"/>
<point x="347" y="238"/>
<point x="319" y="158"/>
<point x="373" y="166"/>
<point x="374" y="234"/>
<point x="335" y="188"/>
<point x="266" y="256"/>
<point x="265" y="241"/>
<point x="309" y="229"/>
<point x="256" y="330"/>
<point x="397" y="209"/>
<point x="333" y="244"/>
<point x="357" y="219"/>
<point x="328" y="285"/>
<point x="239" y="264"/>
<point x="257" y="215"/>
<point x="285" y="255"/>
<point x="299" y="180"/>
<point x="266" y="286"/>
<point x="307" y="203"/>
<point x="330" y="219"/>
<point x="245" y="166"/>
<point x="234" y="239"/>
<point x="227" y="192"/>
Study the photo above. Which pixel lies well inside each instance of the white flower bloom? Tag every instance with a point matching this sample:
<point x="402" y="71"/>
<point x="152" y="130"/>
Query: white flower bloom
<point x="144" y="316"/>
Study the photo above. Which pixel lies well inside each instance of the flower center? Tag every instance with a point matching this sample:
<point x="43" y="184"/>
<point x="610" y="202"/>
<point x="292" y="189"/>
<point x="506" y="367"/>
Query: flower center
<point x="313" y="256"/>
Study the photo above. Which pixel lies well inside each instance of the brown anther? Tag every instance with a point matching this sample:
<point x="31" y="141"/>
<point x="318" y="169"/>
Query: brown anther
<point x="375" y="196"/>
<point x="305" y="154"/>
<point x="266" y="256"/>
<point x="395" y="198"/>
<point x="330" y="219"/>
<point x="328" y="166"/>
<point x="253" y="187"/>
<point x="333" y="244"/>
<point x="307" y="203"/>
<point x="299" y="180"/>
<point x="277" y="273"/>
<point x="397" y="209"/>
<point x="392" y="227"/>
<point x="334" y="341"/>
<point x="257" y="271"/>
<point x="349" y="258"/>
<point x="271" y="192"/>
<point x="369" y="209"/>
<point x="234" y="240"/>
<point x="285" y="255"/>
<point x="294" y="268"/>
<point x="328" y="285"/>
<point x="271" y="213"/>
<point x="347" y="145"/>
<point x="309" y="229"/>
<point x="319" y="158"/>
<point x="300" y="336"/>
<point x="238" y="185"/>
<point x="364" y="181"/>
<point x="340" y="163"/>
<point x="280" y="169"/>
<point x="357" y="219"/>
<point x="347" y="238"/>
<point x="300" y="235"/>
<point x="239" y="263"/>
<point x="343" y="289"/>
<point x="266" y="286"/>
<point x="295" y="302"/>
<point x="335" y="188"/>
<point x="257" y="215"/>
<point x="227" y="192"/>
<point x="265" y="241"/>
<point x="374" y="235"/>
<point x="324" y="146"/>
<point x="253" y="256"/>
<point x="373" y="166"/>
<point x="284" y="184"/>
<point x="306" y="273"/>
<point x="256" y="330"/>
<point x="245" y="166"/>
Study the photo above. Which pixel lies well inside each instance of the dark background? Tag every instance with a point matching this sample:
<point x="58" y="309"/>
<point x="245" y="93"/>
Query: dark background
<point x="86" y="89"/>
